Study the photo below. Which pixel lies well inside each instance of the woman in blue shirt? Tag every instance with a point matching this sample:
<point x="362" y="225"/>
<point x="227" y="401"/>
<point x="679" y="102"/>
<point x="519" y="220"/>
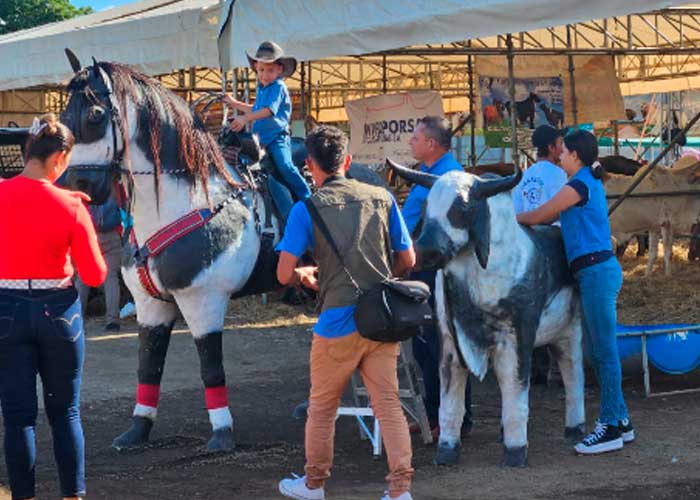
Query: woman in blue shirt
<point x="583" y="211"/>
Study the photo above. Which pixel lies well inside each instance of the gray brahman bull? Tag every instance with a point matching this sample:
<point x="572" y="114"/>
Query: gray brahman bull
<point x="503" y="289"/>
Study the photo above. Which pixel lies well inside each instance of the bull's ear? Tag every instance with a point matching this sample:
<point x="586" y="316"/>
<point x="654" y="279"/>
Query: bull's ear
<point x="474" y="216"/>
<point x="480" y="232"/>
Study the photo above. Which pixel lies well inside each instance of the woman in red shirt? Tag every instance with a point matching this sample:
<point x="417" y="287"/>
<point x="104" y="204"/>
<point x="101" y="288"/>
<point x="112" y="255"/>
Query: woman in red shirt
<point x="42" y="229"/>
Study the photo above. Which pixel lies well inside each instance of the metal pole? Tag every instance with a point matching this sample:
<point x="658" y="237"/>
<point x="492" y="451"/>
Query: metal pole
<point x="513" y="111"/>
<point x="572" y="79"/>
<point x="472" y="113"/>
<point x="384" y="74"/>
<point x="302" y="76"/>
<point x="616" y="136"/>
<point x="224" y="85"/>
<point x="647" y="170"/>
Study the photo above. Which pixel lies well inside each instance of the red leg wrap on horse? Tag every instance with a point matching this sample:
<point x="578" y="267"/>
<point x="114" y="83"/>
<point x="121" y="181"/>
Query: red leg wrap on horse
<point x="148" y="395"/>
<point x="216" y="397"/>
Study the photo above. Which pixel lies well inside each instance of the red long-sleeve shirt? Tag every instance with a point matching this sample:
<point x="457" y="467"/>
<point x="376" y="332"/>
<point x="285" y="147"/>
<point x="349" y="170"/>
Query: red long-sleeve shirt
<point x="43" y="227"/>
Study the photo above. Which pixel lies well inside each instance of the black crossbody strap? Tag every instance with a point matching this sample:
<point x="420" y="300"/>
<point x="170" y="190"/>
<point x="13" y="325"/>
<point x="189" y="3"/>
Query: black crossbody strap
<point x="320" y="223"/>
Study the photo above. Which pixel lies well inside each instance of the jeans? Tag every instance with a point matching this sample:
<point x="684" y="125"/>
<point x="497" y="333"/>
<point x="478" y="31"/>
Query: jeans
<point x="280" y="150"/>
<point x="599" y="285"/>
<point x="426" y="352"/>
<point x="41" y="332"/>
<point x="333" y="361"/>
<point x="111" y="247"/>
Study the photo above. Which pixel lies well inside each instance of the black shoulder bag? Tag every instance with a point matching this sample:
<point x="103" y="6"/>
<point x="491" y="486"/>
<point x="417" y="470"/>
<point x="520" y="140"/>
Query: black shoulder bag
<point x="390" y="311"/>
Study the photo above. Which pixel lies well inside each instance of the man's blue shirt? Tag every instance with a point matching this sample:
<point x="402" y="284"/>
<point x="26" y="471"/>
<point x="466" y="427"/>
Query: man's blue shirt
<point x="274" y="97"/>
<point x="299" y="237"/>
<point x="413" y="207"/>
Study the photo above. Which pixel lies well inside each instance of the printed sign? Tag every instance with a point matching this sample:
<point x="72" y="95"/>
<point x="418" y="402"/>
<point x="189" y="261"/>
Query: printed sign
<point x="382" y="126"/>
<point x="538" y="101"/>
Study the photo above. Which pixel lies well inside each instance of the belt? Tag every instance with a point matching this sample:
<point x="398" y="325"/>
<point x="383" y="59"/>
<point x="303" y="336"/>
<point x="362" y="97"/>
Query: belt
<point x="590" y="259"/>
<point x="38" y="284"/>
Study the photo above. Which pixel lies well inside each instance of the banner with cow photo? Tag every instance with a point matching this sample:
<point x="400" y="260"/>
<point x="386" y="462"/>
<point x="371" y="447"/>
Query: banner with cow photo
<point x="382" y="126"/>
<point x="538" y="101"/>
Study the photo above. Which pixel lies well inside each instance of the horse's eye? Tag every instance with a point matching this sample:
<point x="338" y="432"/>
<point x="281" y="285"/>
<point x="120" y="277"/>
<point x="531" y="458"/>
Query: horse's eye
<point x="96" y="115"/>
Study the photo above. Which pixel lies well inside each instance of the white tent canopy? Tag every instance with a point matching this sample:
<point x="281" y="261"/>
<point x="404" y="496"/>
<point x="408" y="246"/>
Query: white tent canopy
<point x="317" y="29"/>
<point x="157" y="36"/>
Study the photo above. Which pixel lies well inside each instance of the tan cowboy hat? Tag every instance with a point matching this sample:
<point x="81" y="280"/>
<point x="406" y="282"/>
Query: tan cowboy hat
<point x="270" y="52"/>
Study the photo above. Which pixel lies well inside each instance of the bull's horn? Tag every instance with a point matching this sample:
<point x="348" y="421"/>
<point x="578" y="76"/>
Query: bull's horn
<point x="421" y="178"/>
<point x="73" y="60"/>
<point x="486" y="188"/>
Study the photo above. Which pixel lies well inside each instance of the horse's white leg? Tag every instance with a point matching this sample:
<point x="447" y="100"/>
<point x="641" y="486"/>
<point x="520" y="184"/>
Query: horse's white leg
<point x="667" y="241"/>
<point x="653" y="251"/>
<point x="515" y="408"/>
<point x="156" y="319"/>
<point x="204" y="311"/>
<point x="569" y="354"/>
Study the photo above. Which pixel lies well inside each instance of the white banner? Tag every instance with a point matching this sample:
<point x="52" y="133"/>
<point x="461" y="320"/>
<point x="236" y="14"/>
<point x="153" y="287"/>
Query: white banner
<point x="382" y="126"/>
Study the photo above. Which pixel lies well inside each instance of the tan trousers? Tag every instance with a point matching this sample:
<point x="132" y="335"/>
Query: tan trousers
<point x="333" y="362"/>
<point x="111" y="247"/>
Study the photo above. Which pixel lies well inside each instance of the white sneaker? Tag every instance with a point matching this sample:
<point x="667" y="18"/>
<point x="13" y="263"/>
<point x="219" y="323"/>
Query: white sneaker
<point x="296" y="488"/>
<point x="403" y="496"/>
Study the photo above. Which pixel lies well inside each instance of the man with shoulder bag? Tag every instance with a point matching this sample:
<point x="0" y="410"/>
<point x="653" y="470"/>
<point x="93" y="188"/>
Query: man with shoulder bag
<point x="360" y="241"/>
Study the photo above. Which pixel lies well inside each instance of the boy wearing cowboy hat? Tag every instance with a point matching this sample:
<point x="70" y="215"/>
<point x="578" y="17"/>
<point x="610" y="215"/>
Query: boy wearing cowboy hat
<point x="271" y="112"/>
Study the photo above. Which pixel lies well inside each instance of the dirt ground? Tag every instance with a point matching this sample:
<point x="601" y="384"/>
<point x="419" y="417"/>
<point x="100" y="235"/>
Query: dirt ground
<point x="266" y="355"/>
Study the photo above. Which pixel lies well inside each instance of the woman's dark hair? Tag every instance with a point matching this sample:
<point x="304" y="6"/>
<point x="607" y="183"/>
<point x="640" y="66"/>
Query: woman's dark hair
<point x="328" y="146"/>
<point x="586" y="146"/>
<point x="51" y="136"/>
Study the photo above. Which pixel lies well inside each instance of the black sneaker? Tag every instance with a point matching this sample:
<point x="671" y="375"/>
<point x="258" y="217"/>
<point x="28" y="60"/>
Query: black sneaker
<point x="626" y="430"/>
<point x="112" y="327"/>
<point x="604" y="438"/>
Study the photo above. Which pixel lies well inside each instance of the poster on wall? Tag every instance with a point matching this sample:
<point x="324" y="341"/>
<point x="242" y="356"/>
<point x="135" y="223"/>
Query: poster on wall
<point x="538" y="101"/>
<point x="382" y="126"/>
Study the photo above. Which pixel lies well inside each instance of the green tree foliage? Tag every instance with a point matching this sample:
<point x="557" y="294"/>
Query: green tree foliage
<point x="18" y="15"/>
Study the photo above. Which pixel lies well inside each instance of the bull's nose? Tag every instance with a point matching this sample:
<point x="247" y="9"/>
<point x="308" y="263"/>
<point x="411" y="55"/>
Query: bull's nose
<point x="429" y="260"/>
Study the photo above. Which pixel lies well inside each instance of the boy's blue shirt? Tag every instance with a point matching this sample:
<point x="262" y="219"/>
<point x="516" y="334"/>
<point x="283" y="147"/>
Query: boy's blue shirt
<point x="274" y="97"/>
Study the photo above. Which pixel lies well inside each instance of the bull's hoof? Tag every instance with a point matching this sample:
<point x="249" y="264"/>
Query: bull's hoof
<point x="136" y="436"/>
<point x="447" y="455"/>
<point x="514" y="457"/>
<point x="221" y="440"/>
<point x="575" y="433"/>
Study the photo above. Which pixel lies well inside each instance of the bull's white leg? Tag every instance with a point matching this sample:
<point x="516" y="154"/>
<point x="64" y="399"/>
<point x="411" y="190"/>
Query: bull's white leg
<point x="667" y="241"/>
<point x="569" y="352"/>
<point x="204" y="313"/>
<point x="515" y="407"/>
<point x="156" y="319"/>
<point x="453" y="378"/>
<point x="653" y="251"/>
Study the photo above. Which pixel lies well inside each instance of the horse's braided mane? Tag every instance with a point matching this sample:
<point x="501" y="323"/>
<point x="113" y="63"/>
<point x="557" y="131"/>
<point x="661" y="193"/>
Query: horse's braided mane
<point x="197" y="148"/>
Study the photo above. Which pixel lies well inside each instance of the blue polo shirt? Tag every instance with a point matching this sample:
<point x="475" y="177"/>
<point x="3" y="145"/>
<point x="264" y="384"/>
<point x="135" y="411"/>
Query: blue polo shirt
<point x="274" y="97"/>
<point x="413" y="207"/>
<point x="298" y="237"/>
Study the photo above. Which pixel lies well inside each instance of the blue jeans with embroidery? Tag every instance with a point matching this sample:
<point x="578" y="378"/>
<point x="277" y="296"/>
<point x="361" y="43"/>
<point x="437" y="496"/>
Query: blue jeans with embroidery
<point x="280" y="149"/>
<point x="600" y="285"/>
<point x="41" y="332"/>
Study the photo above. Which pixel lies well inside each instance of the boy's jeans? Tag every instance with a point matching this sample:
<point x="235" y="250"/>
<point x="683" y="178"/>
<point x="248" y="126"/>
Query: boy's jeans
<point x="281" y="152"/>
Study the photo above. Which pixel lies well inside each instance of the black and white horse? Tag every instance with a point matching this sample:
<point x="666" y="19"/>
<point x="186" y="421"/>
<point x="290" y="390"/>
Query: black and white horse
<point x="503" y="289"/>
<point x="130" y="127"/>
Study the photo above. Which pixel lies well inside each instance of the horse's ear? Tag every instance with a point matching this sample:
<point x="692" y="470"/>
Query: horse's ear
<point x="73" y="60"/>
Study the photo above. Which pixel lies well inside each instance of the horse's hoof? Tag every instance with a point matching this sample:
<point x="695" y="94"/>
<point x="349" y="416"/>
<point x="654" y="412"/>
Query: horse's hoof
<point x="447" y="455"/>
<point x="575" y="433"/>
<point x="136" y="436"/>
<point x="221" y="440"/>
<point x="514" y="457"/>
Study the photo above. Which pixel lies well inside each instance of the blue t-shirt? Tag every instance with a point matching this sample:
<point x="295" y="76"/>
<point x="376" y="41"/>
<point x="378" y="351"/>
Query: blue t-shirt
<point x="585" y="227"/>
<point x="299" y="237"/>
<point x="275" y="97"/>
<point x="413" y="207"/>
<point x="539" y="184"/>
